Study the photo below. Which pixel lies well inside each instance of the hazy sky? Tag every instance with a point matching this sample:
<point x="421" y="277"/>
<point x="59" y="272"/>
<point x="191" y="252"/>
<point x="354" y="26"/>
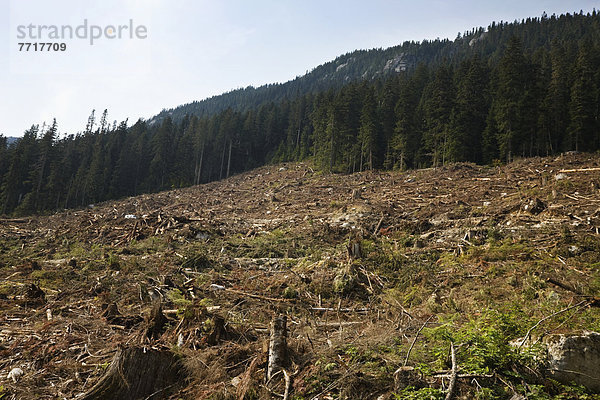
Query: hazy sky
<point x="196" y="48"/>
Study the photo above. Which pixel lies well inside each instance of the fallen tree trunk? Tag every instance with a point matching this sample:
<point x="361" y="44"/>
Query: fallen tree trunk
<point x="137" y="373"/>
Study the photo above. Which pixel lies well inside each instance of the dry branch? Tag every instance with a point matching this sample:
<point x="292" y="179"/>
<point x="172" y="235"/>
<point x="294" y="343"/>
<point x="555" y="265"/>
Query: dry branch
<point x="579" y="170"/>
<point x="581" y="303"/>
<point x="14" y="221"/>
<point x="255" y="296"/>
<point x="348" y="310"/>
<point x="453" y="375"/>
<point x="378" y="226"/>
<point x="288" y="385"/>
<point x="338" y="324"/>
<point x="563" y="285"/>
<point x="415" y="340"/>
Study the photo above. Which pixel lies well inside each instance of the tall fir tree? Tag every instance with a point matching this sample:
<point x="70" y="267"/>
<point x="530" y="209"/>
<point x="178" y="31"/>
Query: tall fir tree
<point x="582" y="130"/>
<point x="438" y="102"/>
<point x="470" y="112"/>
<point x="510" y="99"/>
<point x="368" y="135"/>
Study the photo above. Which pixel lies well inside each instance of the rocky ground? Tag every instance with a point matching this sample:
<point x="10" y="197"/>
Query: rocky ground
<point x="380" y="276"/>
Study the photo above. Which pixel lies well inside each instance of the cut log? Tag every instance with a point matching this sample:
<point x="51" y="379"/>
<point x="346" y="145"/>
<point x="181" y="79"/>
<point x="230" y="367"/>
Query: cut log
<point x="278" y="352"/>
<point x="13" y="221"/>
<point x="137" y="373"/>
<point x="580" y="170"/>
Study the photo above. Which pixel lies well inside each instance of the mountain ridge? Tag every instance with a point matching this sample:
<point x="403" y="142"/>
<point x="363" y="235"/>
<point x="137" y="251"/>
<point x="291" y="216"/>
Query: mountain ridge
<point x="364" y="64"/>
<point x="343" y="69"/>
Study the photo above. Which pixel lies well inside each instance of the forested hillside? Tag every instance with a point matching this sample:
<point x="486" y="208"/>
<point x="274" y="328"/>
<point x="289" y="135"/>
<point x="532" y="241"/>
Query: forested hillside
<point x="381" y="63"/>
<point x="514" y="89"/>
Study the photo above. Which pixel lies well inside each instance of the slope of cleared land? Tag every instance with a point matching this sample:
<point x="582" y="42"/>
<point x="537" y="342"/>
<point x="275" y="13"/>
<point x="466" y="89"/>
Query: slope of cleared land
<point x="378" y="273"/>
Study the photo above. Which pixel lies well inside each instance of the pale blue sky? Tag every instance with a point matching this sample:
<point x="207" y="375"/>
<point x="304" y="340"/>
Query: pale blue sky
<point x="199" y="48"/>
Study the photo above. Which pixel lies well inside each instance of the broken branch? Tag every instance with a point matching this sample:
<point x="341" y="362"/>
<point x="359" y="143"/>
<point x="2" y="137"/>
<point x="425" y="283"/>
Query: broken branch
<point x="581" y="303"/>
<point x="415" y="340"/>
<point x="452" y="386"/>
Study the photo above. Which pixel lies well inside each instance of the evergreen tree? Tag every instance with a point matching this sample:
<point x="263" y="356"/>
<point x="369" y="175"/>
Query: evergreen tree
<point x="368" y="135"/>
<point x="388" y="101"/>
<point x="555" y="107"/>
<point x="17" y="181"/>
<point x="4" y="156"/>
<point x="94" y="179"/>
<point x="162" y="152"/>
<point x="320" y="119"/>
<point x="35" y="200"/>
<point x="510" y="99"/>
<point x="437" y="106"/>
<point x="407" y="141"/>
<point x="490" y="151"/>
<point x="583" y="106"/>
<point x="470" y="112"/>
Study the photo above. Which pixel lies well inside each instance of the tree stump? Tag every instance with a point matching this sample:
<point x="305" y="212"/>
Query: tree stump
<point x="34" y="296"/>
<point x="137" y="373"/>
<point x="218" y="332"/>
<point x="113" y="316"/>
<point x="278" y="353"/>
<point x="156" y="322"/>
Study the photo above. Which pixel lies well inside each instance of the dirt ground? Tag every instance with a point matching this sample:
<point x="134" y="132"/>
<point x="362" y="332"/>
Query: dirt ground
<point x="354" y="261"/>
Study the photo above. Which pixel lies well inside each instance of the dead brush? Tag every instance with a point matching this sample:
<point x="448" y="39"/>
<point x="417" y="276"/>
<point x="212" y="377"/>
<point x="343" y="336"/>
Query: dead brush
<point x="212" y="370"/>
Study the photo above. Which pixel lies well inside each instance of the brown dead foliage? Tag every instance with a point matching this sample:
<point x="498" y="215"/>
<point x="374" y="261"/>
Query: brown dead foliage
<point x="79" y="283"/>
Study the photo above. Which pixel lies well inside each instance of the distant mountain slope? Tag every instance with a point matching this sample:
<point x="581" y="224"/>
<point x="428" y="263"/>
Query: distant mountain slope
<point x="10" y="140"/>
<point x="357" y="65"/>
<point x="380" y="63"/>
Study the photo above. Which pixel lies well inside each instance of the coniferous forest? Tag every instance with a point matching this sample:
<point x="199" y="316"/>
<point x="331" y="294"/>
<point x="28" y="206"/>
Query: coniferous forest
<point x="520" y="89"/>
